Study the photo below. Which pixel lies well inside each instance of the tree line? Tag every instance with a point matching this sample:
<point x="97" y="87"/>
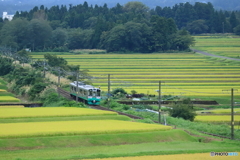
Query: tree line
<point x="131" y="27"/>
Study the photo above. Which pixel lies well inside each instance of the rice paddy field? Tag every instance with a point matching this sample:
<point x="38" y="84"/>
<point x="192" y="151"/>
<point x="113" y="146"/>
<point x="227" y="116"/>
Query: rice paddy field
<point x="4" y="95"/>
<point x="50" y="112"/>
<point x="8" y="99"/>
<point x="63" y="137"/>
<point x="227" y="46"/>
<point x="217" y="118"/>
<point x="181" y="74"/>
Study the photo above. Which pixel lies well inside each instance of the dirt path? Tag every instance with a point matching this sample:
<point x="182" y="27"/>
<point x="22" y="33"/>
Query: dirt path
<point x="213" y="55"/>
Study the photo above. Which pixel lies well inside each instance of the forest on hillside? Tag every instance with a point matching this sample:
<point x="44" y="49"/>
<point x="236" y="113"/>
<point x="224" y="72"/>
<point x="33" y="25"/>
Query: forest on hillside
<point x="132" y="27"/>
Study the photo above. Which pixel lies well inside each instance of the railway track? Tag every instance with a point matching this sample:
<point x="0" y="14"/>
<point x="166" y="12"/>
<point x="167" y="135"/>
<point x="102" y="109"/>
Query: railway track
<point x="67" y="95"/>
<point x="120" y="113"/>
<point x="64" y="93"/>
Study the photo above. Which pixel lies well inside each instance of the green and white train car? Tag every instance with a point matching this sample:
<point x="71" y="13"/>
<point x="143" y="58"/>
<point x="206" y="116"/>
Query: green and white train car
<point x="86" y="93"/>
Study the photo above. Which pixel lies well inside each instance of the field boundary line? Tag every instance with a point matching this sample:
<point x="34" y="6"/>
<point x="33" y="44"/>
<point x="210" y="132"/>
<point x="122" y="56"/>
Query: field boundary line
<point x="213" y="55"/>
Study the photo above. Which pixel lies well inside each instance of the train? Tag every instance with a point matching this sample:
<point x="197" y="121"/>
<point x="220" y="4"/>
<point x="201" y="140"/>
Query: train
<point x="86" y="93"/>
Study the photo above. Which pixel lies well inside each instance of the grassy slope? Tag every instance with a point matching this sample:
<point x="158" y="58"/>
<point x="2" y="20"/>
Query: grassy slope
<point x="94" y="140"/>
<point x="46" y="119"/>
<point x="119" y="150"/>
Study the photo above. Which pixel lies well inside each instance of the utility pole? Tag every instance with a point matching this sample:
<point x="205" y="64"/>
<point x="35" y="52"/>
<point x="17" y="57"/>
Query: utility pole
<point x="232" y="112"/>
<point x="58" y="80"/>
<point x="223" y="26"/>
<point x="232" y="115"/>
<point x="159" y="102"/>
<point x="77" y="86"/>
<point x="44" y="65"/>
<point x="108" y="91"/>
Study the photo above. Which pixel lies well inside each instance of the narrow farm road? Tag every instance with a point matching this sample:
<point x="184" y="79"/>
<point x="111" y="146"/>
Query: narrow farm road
<point x="213" y="55"/>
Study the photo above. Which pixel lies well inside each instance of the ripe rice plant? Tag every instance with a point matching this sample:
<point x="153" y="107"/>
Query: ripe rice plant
<point x="2" y="90"/>
<point x="195" y="156"/>
<point x="221" y="111"/>
<point x="50" y="112"/>
<point x="8" y="99"/>
<point x="32" y="129"/>
<point x="215" y="118"/>
<point x="12" y="106"/>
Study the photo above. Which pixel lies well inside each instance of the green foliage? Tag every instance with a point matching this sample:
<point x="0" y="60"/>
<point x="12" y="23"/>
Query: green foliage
<point x="183" y="110"/>
<point x="36" y="89"/>
<point x="5" y="66"/>
<point x="119" y="91"/>
<point x="50" y="98"/>
<point x="237" y="30"/>
<point x="133" y="92"/>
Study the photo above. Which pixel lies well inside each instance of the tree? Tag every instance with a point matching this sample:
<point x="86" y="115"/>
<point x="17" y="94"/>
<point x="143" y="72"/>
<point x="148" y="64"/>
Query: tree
<point x="183" y="40"/>
<point x="197" y="27"/>
<point x="136" y="7"/>
<point x="55" y="61"/>
<point x="237" y="30"/>
<point x="59" y="37"/>
<point x="14" y="33"/>
<point x="5" y="66"/>
<point x="114" y="40"/>
<point x="39" y="32"/>
<point x="183" y="110"/>
<point x="233" y="20"/>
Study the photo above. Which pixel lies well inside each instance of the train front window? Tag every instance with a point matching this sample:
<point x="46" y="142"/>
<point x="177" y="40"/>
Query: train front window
<point x="98" y="93"/>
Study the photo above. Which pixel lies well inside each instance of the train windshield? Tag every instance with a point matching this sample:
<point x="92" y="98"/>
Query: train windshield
<point x="98" y="92"/>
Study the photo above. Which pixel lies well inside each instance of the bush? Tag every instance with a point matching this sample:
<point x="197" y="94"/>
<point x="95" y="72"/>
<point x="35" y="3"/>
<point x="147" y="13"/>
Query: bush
<point x="183" y="110"/>
<point x="5" y="66"/>
<point x="36" y="89"/>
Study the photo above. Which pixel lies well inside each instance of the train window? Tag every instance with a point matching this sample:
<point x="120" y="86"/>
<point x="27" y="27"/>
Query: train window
<point x="90" y="92"/>
<point x="75" y="89"/>
<point x="98" y="92"/>
<point x="85" y="92"/>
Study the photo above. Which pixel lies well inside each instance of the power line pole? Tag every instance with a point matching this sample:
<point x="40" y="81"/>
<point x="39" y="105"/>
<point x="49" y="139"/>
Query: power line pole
<point x="77" y="87"/>
<point x="232" y="115"/>
<point x="159" y="102"/>
<point x="58" y="80"/>
<point x="232" y="112"/>
<point x="108" y="91"/>
<point x="44" y="65"/>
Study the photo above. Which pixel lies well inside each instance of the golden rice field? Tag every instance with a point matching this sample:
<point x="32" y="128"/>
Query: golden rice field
<point x="2" y="90"/>
<point x="224" y="46"/>
<point x="8" y="99"/>
<point x="32" y="129"/>
<point x="222" y="111"/>
<point x="50" y="112"/>
<point x="216" y="118"/>
<point x="190" y="72"/>
<point x="12" y="106"/>
<point x="196" y="156"/>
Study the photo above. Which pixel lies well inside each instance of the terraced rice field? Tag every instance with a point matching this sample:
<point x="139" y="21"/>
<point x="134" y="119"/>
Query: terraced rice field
<point x="216" y="118"/>
<point x="185" y="74"/>
<point x="76" y="128"/>
<point x="11" y="106"/>
<point x="8" y="99"/>
<point x="221" y="111"/>
<point x="50" y="112"/>
<point x="225" y="46"/>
